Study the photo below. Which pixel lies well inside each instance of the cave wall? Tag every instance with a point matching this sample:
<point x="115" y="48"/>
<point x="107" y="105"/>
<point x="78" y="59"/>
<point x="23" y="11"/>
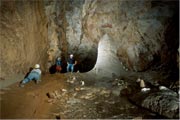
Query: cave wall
<point x="66" y="34"/>
<point x="145" y="32"/>
<point x="23" y="36"/>
<point x="84" y="48"/>
<point x="138" y="27"/>
<point x="142" y="33"/>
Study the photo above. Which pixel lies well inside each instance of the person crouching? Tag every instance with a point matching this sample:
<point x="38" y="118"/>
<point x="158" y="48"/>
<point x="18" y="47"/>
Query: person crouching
<point x="35" y="74"/>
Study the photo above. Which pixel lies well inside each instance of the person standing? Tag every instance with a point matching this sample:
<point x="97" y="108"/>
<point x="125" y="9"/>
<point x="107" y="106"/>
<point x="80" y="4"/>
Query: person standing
<point x="71" y="63"/>
<point x="58" y="65"/>
<point x="35" y="74"/>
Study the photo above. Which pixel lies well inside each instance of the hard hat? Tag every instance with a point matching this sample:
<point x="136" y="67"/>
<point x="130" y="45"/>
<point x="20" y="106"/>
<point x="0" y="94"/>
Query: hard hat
<point x="37" y="66"/>
<point x="71" y="55"/>
<point x="59" y="58"/>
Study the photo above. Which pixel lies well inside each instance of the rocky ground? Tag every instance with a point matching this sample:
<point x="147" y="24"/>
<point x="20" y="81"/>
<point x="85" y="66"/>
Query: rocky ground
<point x="73" y="96"/>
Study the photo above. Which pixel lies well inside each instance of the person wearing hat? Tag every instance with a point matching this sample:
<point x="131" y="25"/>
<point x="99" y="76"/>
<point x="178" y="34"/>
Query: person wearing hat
<point x="70" y="63"/>
<point x="35" y="74"/>
<point x="58" y="64"/>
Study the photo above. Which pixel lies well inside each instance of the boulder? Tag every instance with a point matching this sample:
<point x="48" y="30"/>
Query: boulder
<point x="165" y="103"/>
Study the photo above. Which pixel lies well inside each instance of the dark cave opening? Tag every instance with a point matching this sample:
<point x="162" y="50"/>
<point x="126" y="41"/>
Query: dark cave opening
<point x="172" y="40"/>
<point x="168" y="62"/>
<point x="84" y="63"/>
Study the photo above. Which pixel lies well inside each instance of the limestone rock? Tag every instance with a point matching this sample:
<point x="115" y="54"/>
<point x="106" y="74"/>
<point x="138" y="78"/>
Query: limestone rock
<point x="165" y="103"/>
<point x="23" y="36"/>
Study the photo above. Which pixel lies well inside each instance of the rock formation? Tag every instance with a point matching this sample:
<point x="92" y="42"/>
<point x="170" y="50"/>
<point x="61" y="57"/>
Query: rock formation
<point x="142" y="31"/>
<point x="164" y="102"/>
<point x="23" y="37"/>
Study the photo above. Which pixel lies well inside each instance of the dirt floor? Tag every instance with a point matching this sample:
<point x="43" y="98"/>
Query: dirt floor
<point x="68" y="96"/>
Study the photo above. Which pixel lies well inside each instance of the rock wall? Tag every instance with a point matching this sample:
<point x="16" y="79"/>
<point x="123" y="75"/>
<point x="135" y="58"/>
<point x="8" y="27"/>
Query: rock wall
<point x="84" y="48"/>
<point x="66" y="34"/>
<point x="138" y="28"/>
<point x="143" y="33"/>
<point x="23" y="36"/>
<point x="53" y="36"/>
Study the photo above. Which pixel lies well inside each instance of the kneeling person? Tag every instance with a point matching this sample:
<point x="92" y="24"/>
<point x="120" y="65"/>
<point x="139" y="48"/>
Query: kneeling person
<point x="35" y="74"/>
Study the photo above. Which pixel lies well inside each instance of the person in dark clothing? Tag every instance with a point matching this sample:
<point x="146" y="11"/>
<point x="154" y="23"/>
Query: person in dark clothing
<point x="70" y="63"/>
<point x="58" y="65"/>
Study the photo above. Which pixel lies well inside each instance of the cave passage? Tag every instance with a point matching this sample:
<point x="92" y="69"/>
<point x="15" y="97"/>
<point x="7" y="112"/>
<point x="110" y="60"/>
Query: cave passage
<point x="84" y="64"/>
<point x="127" y="54"/>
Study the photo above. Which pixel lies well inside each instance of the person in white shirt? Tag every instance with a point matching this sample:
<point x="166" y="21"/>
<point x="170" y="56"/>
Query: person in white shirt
<point x="35" y="74"/>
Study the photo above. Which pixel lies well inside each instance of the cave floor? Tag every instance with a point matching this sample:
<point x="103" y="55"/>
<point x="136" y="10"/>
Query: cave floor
<point x="63" y="96"/>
